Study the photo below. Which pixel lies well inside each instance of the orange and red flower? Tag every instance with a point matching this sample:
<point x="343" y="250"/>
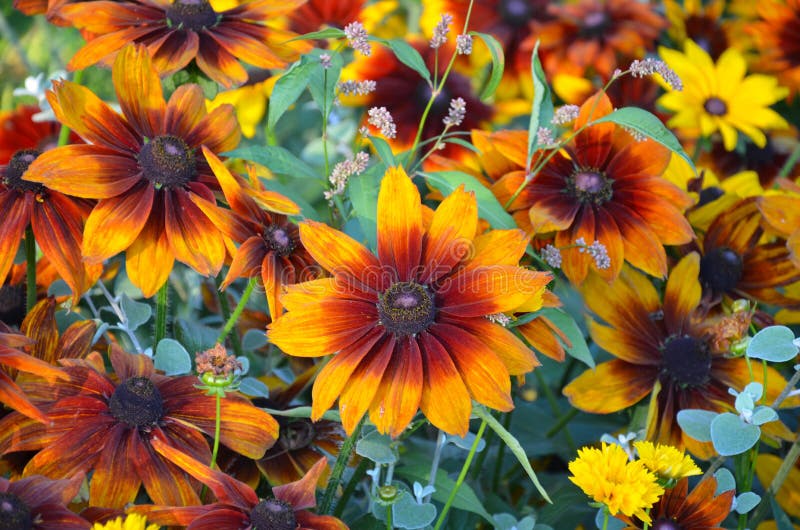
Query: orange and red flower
<point x="605" y="186"/>
<point x="774" y="35"/>
<point x="177" y="32"/>
<point x="106" y="426"/>
<point x="39" y="503"/>
<point x="315" y="15"/>
<point x="144" y="166"/>
<point x="409" y="326"/>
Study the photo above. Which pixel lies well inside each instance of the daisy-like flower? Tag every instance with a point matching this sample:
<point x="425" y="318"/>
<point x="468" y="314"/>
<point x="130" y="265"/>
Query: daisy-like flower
<point x="608" y="477"/>
<point x="702" y="22"/>
<point x="660" y="349"/>
<point x="605" y="187"/>
<point x="106" y="426"/>
<point x="668" y="463"/>
<point x="721" y="97"/>
<point x="40" y="503"/>
<point x="144" y="166"/>
<point x="409" y="326"/>
<point x="176" y="32"/>
<point x="237" y="504"/>
<point x="57" y="219"/>
<point x="129" y="522"/>
<point x="678" y="508"/>
<point x="269" y="244"/>
<point x="774" y="36"/>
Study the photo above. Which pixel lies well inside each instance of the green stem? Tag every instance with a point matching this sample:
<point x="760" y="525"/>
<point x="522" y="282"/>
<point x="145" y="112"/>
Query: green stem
<point x="30" y="267"/>
<point x="498" y="463"/>
<point x="342" y="458"/>
<point x="645" y="525"/>
<point x="237" y="312"/>
<point x="790" y="162"/>
<point x="217" y="426"/>
<point x="389" y="525"/>
<point x="63" y="133"/>
<point x="461" y="476"/>
<point x="358" y="474"/>
<point x="605" y="518"/>
<point x="225" y="309"/>
<point x="162" y="299"/>
<point x="562" y="422"/>
<point x="553" y="402"/>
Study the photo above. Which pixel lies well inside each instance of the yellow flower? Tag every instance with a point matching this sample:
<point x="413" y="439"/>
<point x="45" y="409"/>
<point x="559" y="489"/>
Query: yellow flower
<point x="719" y="97"/>
<point x="667" y="462"/>
<point x="609" y="478"/>
<point x="133" y="521"/>
<point x="250" y="102"/>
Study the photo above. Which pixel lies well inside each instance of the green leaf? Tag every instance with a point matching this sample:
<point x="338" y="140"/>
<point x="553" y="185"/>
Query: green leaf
<point x="732" y="436"/>
<point x="377" y="447"/>
<point x="782" y="520"/>
<point x="254" y="339"/>
<point x="512" y="443"/>
<point x="288" y="88"/>
<point x="564" y="321"/>
<point x="406" y="513"/>
<point x="746" y="502"/>
<point x="323" y="81"/>
<point x="463" y="143"/>
<point x="253" y="387"/>
<point x="363" y="193"/>
<point x="407" y="55"/>
<point x="328" y="33"/>
<point x="774" y="344"/>
<point x="498" y="64"/>
<point x="384" y="150"/>
<point x="488" y="207"/>
<point x="763" y="414"/>
<point x="136" y="313"/>
<point x="649" y="125"/>
<point x="172" y="358"/>
<point x="465" y="499"/>
<point x="542" y="108"/>
<point x="725" y="481"/>
<point x="277" y="159"/>
<point x="696" y="423"/>
<point x="59" y="288"/>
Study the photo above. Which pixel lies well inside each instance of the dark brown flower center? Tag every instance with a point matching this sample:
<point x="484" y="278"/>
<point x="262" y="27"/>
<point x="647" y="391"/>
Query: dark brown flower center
<point x="590" y="185"/>
<point x="720" y="270"/>
<point x="17" y="167"/>
<point x="137" y="402"/>
<point x="406" y="308"/>
<point x="594" y="25"/>
<point x="14" y="514"/>
<point x="297" y="434"/>
<point x="666" y="524"/>
<point x="279" y="240"/>
<point x="167" y="162"/>
<point x="715" y="106"/>
<point x="686" y="361"/>
<point x="441" y="102"/>
<point x="12" y="304"/>
<point x="192" y="15"/>
<point x="272" y="514"/>
<point x="710" y="194"/>
<point x="515" y="13"/>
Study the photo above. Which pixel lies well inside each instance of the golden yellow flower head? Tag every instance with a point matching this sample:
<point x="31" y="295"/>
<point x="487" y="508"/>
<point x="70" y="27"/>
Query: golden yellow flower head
<point x="608" y="477"/>
<point x="133" y="521"/>
<point x="667" y="462"/>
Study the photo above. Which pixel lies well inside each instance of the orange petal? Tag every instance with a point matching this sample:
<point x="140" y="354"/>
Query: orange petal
<point x="139" y="90"/>
<point x="300" y="495"/>
<point x="498" y="247"/>
<point x="575" y="263"/>
<point x="341" y="255"/>
<point x="14" y="397"/>
<point x="192" y="237"/>
<point x="16" y="215"/>
<point x="149" y="259"/>
<point x="359" y="393"/>
<point x="114" y="480"/>
<point x="488" y="290"/>
<point x="399" y="224"/>
<point x="221" y="66"/>
<point x="643" y="249"/>
<point x="517" y="358"/>
<point x="185" y="109"/>
<point x="445" y="400"/>
<point x="218" y="130"/>
<point x="398" y="395"/>
<point x="115" y="223"/>
<point x="247" y="261"/>
<point x="612" y="386"/>
<point x="682" y="294"/>
<point x="450" y="235"/>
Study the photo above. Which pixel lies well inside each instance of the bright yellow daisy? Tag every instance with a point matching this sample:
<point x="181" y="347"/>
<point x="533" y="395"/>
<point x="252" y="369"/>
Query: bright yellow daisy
<point x="130" y="522"/>
<point x="721" y="97"/>
<point x="667" y="462"/>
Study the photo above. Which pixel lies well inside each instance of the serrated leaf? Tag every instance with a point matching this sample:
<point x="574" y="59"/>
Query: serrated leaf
<point x="542" y="105"/>
<point x="774" y="344"/>
<point x="287" y="89"/>
<point x="172" y="358"/>
<point x="488" y="207"/>
<point x="363" y="192"/>
<point x="407" y="55"/>
<point x="377" y="447"/>
<point x="696" y="423"/>
<point x="649" y="125"/>
<point x="136" y="313"/>
<point x="254" y="339"/>
<point x="465" y="498"/>
<point x="328" y="33"/>
<point x="762" y="415"/>
<point x="277" y="159"/>
<point x="253" y="387"/>
<point x="566" y="323"/>
<point x="498" y="64"/>
<point x="406" y="513"/>
<point x="746" y="502"/>
<point x="731" y="436"/>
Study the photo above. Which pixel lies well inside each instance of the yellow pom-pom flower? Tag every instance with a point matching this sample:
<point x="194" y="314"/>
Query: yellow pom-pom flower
<point x="608" y="477"/>
<point x="133" y="521"/>
<point x="668" y="463"/>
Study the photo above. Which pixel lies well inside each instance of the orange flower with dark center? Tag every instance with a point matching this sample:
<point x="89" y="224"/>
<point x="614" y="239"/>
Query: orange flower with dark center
<point x="144" y="166"/>
<point x="39" y="503"/>
<point x="56" y="219"/>
<point x="659" y="348"/>
<point x="176" y="32"/>
<point x="409" y="326"/>
<point x="775" y="38"/>
<point x="106" y="426"/>
<point x="604" y="186"/>
<point x="767" y="161"/>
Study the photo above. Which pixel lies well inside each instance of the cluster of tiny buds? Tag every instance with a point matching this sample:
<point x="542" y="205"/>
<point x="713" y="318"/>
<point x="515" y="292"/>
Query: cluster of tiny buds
<point x="325" y="60"/>
<point x="343" y="171"/>
<point x="381" y="118"/>
<point x="639" y="137"/>
<point x="440" y="31"/>
<point x="357" y="88"/>
<point x="565" y="114"/>
<point x="464" y="44"/>
<point x="456" y="113"/>
<point x="544" y="137"/>
<point x="499" y="318"/>
<point x="357" y="38"/>
<point x="217" y="363"/>
<point x="650" y="66"/>
<point x="552" y="255"/>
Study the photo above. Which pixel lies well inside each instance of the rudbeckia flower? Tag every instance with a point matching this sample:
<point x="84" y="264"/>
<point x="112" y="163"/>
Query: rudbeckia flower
<point x="106" y="426"/>
<point x="144" y="166"/>
<point x="700" y="509"/>
<point x="39" y="503"/>
<point x="775" y="38"/>
<point x="57" y="220"/>
<point x="720" y="96"/>
<point x="237" y="504"/>
<point x="699" y="21"/>
<point x="176" y="32"/>
<point x="409" y="326"/>
<point x="661" y="349"/>
<point x="604" y="186"/>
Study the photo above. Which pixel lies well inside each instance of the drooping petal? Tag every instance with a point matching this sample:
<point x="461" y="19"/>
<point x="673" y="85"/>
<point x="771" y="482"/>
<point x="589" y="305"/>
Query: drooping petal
<point x="445" y="400"/>
<point x="16" y="215"/>
<point x="115" y="223"/>
<point x="163" y="480"/>
<point x="493" y="289"/>
<point x="398" y="395"/>
<point x="139" y="90"/>
<point x="193" y="238"/>
<point x="399" y="224"/>
<point x="149" y="259"/>
<point x="15" y="398"/>
<point x="450" y="234"/>
<point x="114" y="479"/>
<point x="682" y="294"/>
<point x="515" y="355"/>
<point x="359" y="394"/>
<point x="612" y="386"/>
<point x="300" y="495"/>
